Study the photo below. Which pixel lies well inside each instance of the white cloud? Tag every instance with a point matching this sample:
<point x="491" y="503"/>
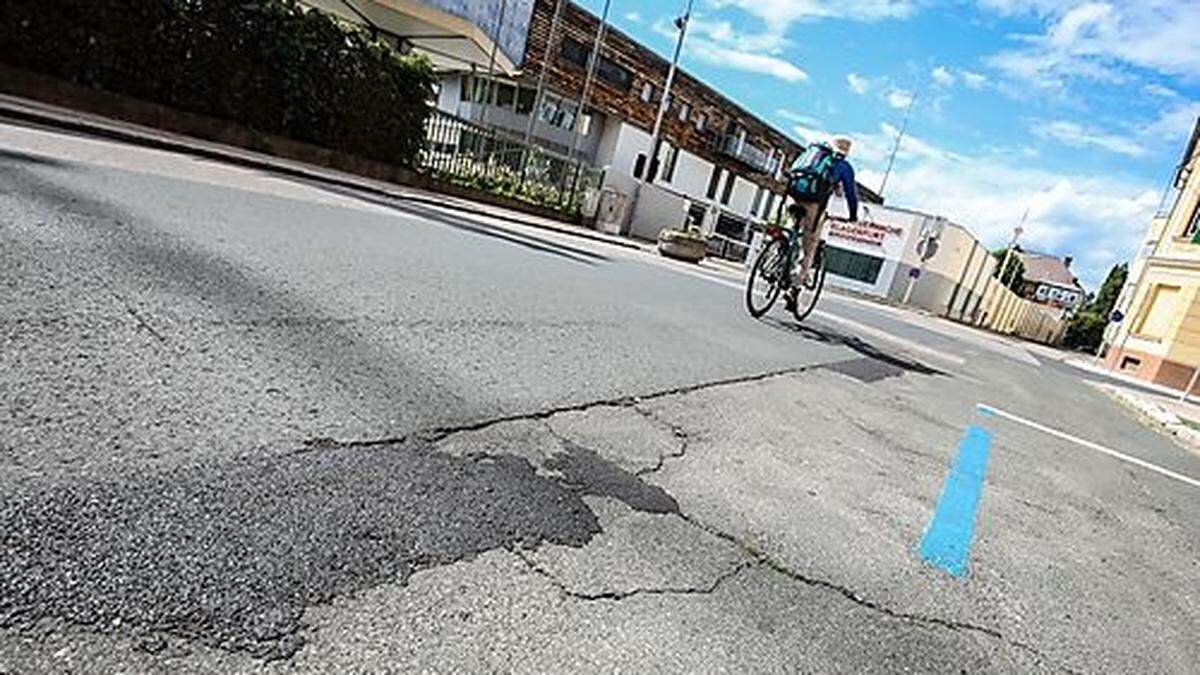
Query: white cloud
<point x="1099" y="219"/>
<point x="942" y="76"/>
<point x="720" y="44"/>
<point x="899" y="98"/>
<point x="858" y="84"/>
<point x="1078" y="136"/>
<point x="1101" y="40"/>
<point x="633" y="17"/>
<point x="797" y="118"/>
<point x="1159" y="91"/>
<point x="972" y="79"/>
<point x="782" y="13"/>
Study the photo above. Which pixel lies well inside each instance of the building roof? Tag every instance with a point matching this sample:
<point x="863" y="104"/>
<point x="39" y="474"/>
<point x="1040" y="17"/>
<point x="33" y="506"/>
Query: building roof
<point x="1047" y="269"/>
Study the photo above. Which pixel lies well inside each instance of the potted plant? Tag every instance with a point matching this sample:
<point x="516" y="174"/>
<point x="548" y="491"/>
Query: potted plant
<point x="687" y="243"/>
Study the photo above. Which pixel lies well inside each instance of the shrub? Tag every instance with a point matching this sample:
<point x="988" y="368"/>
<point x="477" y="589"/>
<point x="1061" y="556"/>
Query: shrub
<point x="271" y="65"/>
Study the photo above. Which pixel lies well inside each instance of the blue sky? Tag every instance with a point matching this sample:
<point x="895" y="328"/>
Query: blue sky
<point x="1075" y="110"/>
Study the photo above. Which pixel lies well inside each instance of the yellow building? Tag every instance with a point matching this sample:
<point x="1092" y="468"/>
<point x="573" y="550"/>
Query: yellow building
<point x="1160" y="338"/>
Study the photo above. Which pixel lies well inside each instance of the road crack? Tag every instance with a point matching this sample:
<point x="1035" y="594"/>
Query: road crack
<point x="617" y="596"/>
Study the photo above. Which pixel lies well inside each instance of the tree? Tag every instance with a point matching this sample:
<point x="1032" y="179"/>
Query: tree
<point x="1106" y="297"/>
<point x="1014" y="275"/>
<point x="1086" y="330"/>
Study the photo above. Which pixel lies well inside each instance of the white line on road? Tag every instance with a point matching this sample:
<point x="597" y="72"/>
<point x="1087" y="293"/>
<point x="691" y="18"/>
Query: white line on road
<point x="989" y="410"/>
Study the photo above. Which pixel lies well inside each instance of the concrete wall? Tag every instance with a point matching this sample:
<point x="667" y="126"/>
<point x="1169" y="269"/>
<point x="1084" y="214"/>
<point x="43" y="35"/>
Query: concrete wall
<point x="657" y="209"/>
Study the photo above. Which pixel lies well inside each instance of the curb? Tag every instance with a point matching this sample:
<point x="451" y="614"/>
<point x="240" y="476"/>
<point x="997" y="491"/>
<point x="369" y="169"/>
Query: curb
<point x="247" y="159"/>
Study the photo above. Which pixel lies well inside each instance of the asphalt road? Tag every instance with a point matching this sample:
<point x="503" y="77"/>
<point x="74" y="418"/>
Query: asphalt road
<point x="255" y="424"/>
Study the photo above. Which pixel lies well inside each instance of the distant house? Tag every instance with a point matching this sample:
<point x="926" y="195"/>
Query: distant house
<point x="1049" y="281"/>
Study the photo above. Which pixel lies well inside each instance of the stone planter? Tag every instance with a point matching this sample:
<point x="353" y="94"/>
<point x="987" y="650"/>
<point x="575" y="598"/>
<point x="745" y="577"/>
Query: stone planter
<point x="682" y="245"/>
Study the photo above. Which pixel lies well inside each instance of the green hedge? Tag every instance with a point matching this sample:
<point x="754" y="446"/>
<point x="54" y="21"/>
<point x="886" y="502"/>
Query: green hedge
<point x="268" y="64"/>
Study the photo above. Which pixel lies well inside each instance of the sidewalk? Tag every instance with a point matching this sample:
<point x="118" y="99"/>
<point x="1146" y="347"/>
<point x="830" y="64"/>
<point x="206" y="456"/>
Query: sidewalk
<point x="20" y="110"/>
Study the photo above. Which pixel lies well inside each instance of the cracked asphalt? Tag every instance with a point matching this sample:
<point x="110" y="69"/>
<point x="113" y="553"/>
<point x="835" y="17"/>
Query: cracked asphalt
<point x="256" y="425"/>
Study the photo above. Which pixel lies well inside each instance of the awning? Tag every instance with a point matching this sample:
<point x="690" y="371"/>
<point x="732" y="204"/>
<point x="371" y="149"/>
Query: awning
<point x="451" y="42"/>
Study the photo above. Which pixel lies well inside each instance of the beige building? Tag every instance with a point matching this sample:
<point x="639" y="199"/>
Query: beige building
<point x="1159" y="340"/>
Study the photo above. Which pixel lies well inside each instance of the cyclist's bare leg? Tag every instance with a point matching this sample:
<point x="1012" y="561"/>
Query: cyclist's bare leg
<point x="811" y="224"/>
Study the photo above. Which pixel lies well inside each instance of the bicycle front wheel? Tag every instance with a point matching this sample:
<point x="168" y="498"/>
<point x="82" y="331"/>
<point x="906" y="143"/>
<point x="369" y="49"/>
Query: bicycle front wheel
<point x="806" y="299"/>
<point x="767" y="278"/>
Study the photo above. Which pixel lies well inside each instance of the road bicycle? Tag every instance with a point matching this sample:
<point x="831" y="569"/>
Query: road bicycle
<point x="775" y="267"/>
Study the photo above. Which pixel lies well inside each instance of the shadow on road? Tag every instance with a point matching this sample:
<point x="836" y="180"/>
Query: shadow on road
<point x="473" y="226"/>
<point x="15" y="157"/>
<point x="892" y="365"/>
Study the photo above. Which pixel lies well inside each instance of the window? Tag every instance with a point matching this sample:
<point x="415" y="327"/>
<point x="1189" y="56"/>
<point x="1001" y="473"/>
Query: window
<point x="685" y="112"/>
<point x="728" y="194"/>
<point x="714" y="182"/>
<point x="574" y="52"/>
<point x="853" y="265"/>
<point x="1158" y="314"/>
<point x="465" y="89"/>
<point x="1193" y="227"/>
<point x="701" y="121"/>
<point x="579" y="55"/>
<point x="506" y="95"/>
<point x="525" y="100"/>
<point x="639" y="165"/>
<point x="672" y="157"/>
<point x="770" y="206"/>
<point x="758" y="197"/>
<point x="557" y="113"/>
<point x="585" y="124"/>
<point x="647" y="92"/>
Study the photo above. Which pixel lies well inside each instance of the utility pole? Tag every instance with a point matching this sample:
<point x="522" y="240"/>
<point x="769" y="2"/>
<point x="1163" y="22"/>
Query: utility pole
<point x="899" y="139"/>
<point x="593" y="61"/>
<point x="681" y="23"/>
<point x="490" y="96"/>
<point x="541" y="85"/>
<point x="1017" y="232"/>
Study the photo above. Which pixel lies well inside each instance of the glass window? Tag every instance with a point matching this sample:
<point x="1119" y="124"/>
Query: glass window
<point x="853" y="265"/>
<point x="639" y="165"/>
<point x="685" y="112"/>
<point x="714" y="182"/>
<point x="758" y="196"/>
<point x="770" y="206"/>
<point x="574" y="52"/>
<point x="728" y="194"/>
<point x="672" y="157"/>
<point x="585" y="124"/>
<point x="525" y="100"/>
<point x="701" y="121"/>
<point x="506" y="94"/>
<point x="647" y="92"/>
<point x="1193" y="228"/>
<point x="465" y="90"/>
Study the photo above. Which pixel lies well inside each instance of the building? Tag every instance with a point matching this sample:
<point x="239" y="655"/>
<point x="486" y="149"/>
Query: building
<point x="1159" y="339"/>
<point x="719" y="166"/>
<point x="454" y="34"/>
<point x="1048" y="280"/>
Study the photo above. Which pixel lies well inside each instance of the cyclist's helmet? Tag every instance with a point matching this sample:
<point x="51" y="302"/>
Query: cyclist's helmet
<point x="842" y="145"/>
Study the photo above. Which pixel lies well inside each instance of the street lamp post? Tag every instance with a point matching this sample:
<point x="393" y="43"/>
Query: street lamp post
<point x="541" y="85"/>
<point x="1017" y="232"/>
<point x="682" y="24"/>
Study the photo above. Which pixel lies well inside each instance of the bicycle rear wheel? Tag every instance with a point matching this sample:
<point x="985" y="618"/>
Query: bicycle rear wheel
<point x="806" y="299"/>
<point x="767" y="278"/>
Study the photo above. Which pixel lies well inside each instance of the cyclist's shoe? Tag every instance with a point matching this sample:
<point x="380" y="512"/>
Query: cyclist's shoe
<point x="790" y="299"/>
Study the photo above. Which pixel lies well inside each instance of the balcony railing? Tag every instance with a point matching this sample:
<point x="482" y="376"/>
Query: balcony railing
<point x="737" y="148"/>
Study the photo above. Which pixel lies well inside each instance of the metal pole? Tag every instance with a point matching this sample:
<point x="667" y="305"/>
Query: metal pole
<point x="1017" y="232"/>
<point x="491" y="76"/>
<point x="541" y="86"/>
<point x="593" y="61"/>
<point x="899" y="138"/>
<point x="683" y="23"/>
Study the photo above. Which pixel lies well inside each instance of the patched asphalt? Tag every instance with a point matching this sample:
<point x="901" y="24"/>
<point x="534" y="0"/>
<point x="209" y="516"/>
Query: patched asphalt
<point x="232" y="555"/>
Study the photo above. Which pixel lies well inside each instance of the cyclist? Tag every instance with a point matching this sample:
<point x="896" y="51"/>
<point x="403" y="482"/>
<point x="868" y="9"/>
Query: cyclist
<point x="819" y="171"/>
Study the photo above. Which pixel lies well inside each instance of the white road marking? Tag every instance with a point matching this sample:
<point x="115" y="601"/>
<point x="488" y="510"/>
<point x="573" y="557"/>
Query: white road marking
<point x="989" y="410"/>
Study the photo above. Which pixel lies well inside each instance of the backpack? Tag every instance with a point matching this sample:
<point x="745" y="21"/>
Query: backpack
<point x="812" y="176"/>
